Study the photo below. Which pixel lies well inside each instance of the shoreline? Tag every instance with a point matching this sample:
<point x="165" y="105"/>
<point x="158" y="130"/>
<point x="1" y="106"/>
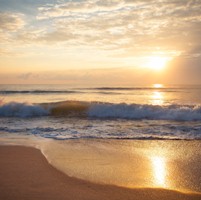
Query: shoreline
<point x="26" y="174"/>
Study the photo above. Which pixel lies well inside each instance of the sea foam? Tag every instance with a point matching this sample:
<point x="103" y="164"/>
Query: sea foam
<point x="151" y="112"/>
<point x="103" y="111"/>
<point x="14" y="109"/>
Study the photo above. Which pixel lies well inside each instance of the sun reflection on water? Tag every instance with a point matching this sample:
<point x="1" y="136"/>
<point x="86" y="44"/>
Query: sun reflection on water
<point x="157" y="85"/>
<point x="159" y="171"/>
<point x="157" y="98"/>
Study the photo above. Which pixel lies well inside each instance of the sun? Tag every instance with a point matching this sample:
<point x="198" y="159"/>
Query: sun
<point x="156" y="62"/>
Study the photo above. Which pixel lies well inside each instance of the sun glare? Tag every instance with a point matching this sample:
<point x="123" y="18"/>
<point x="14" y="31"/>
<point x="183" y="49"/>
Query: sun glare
<point x="159" y="170"/>
<point x="158" y="85"/>
<point x="157" y="98"/>
<point x="156" y="62"/>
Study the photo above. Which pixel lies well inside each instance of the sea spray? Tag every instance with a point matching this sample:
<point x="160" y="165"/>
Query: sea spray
<point x="14" y="109"/>
<point x="150" y="112"/>
<point x="101" y="110"/>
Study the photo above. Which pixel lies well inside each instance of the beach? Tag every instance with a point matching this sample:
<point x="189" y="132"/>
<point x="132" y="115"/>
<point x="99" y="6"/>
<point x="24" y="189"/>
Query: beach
<point x="26" y="174"/>
<point x="58" y="142"/>
<point x="100" y="100"/>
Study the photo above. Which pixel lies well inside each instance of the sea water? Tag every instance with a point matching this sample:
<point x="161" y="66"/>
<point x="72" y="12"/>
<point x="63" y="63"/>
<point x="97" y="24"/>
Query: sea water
<point x="61" y="112"/>
<point x="139" y="136"/>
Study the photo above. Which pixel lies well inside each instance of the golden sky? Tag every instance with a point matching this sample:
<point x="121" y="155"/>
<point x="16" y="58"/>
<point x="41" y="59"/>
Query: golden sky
<point x="111" y="42"/>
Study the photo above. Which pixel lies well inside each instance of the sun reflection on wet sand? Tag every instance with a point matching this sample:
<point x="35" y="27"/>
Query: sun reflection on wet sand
<point x="173" y="165"/>
<point x="159" y="171"/>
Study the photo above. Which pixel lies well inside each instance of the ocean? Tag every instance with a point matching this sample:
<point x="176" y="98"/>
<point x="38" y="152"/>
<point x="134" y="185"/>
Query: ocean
<point x="140" y="136"/>
<point x="61" y="112"/>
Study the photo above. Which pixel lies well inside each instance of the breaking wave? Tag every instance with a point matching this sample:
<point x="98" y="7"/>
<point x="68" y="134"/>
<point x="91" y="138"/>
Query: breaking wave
<point x="102" y="111"/>
<point x="151" y="112"/>
<point x="14" y="109"/>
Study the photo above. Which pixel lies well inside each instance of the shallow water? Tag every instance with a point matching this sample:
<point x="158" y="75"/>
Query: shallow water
<point x="172" y="165"/>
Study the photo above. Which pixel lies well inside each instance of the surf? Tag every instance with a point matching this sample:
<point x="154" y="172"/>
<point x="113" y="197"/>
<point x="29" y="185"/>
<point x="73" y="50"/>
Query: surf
<point x="102" y="110"/>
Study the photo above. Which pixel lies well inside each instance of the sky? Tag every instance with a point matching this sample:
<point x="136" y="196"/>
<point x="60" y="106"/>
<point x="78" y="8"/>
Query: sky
<point x="100" y="42"/>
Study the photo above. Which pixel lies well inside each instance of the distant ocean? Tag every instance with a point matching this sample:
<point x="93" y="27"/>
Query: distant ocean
<point x="61" y="112"/>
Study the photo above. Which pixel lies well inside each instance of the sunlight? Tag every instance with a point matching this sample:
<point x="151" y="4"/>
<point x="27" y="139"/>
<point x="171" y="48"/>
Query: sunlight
<point x="157" y="98"/>
<point x="159" y="170"/>
<point x="156" y="62"/>
<point x="157" y="85"/>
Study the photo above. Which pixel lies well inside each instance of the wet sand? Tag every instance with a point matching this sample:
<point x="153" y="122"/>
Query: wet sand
<point x="26" y="174"/>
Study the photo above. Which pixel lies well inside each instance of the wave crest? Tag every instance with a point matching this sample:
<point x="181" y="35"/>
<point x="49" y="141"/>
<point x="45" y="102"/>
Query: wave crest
<point x="14" y="109"/>
<point x="151" y="112"/>
<point x="102" y="111"/>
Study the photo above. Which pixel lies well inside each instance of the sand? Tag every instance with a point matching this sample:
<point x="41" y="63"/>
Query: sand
<point x="26" y="174"/>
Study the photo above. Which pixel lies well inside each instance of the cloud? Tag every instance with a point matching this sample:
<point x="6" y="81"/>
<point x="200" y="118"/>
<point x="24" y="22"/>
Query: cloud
<point x="123" y="22"/>
<point x="3" y="52"/>
<point x="77" y="77"/>
<point x="11" y="22"/>
<point x="108" y="24"/>
<point x="119" y="28"/>
<point x="6" y="52"/>
<point x="75" y="7"/>
<point x="26" y="76"/>
<point x="174" y="8"/>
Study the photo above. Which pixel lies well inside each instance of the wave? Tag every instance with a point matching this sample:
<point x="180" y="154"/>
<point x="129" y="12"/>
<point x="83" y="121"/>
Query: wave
<point x="132" y="88"/>
<point x="107" y="90"/>
<point x="38" y="91"/>
<point x="14" y="109"/>
<point x="101" y="110"/>
<point x="66" y="132"/>
<point x="150" y="112"/>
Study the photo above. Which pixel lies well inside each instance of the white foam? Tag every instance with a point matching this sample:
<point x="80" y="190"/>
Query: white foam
<point x="109" y="110"/>
<point x="14" y="109"/>
<point x="152" y="112"/>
